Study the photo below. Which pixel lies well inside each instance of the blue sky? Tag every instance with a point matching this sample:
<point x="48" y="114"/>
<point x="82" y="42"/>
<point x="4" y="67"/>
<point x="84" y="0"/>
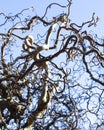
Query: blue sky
<point x="81" y="9"/>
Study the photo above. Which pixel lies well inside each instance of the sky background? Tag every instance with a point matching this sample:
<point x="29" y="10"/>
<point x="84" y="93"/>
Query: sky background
<point x="81" y="10"/>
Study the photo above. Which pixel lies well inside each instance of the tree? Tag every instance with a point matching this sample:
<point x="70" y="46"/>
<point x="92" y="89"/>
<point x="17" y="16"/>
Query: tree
<point x="56" y="79"/>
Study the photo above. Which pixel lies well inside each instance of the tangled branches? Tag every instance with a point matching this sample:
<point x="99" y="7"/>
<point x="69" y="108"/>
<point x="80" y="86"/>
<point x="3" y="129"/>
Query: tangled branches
<point x="56" y="80"/>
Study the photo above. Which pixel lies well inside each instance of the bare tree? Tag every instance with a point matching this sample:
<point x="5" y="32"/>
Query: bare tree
<point x="54" y="79"/>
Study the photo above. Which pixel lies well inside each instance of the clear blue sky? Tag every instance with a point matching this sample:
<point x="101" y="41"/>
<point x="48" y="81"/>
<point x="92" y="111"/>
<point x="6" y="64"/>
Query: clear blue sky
<point x="81" y="9"/>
